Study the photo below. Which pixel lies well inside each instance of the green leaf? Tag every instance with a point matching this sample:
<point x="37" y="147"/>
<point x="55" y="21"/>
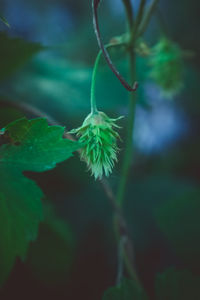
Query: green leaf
<point x="4" y="21"/>
<point x="20" y="213"/>
<point x="30" y="146"/>
<point x="50" y="257"/>
<point x="14" y="52"/>
<point x="127" y="290"/>
<point x="38" y="147"/>
<point x="178" y="218"/>
<point x="177" y="285"/>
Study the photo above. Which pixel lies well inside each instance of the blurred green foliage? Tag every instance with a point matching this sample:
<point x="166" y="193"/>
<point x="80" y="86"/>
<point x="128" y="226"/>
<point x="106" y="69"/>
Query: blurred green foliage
<point x="173" y="284"/>
<point x="178" y="218"/>
<point x="50" y="257"/>
<point x="162" y="203"/>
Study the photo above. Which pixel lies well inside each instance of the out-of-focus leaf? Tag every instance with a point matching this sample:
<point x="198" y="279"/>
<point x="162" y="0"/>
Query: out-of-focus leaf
<point x="146" y="195"/>
<point x="65" y="86"/>
<point x="179" y="219"/>
<point x="177" y="285"/>
<point x="14" y="52"/>
<point x="50" y="256"/>
<point x="127" y="290"/>
<point x="20" y="213"/>
<point x="27" y="146"/>
<point x="63" y="89"/>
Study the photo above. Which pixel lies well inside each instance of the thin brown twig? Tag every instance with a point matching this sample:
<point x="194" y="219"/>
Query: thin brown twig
<point x="133" y="88"/>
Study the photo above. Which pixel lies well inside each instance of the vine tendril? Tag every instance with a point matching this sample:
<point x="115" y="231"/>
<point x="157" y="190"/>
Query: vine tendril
<point x="95" y="5"/>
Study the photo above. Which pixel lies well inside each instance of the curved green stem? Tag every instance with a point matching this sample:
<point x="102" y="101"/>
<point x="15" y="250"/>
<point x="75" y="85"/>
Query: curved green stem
<point x="93" y="84"/>
<point x="94" y="75"/>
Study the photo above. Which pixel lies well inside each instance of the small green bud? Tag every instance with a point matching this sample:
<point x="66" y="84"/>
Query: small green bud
<point x="99" y="138"/>
<point x="167" y="67"/>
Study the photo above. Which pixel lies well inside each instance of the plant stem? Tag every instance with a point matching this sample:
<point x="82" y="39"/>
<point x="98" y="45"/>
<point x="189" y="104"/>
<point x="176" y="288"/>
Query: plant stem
<point x="94" y="75"/>
<point x="95" y="6"/>
<point x="122" y="233"/>
<point x="138" y="20"/>
<point x="135" y="31"/>
<point x="129" y="12"/>
<point x="120" y="224"/>
<point x="147" y="17"/>
<point x="132" y="105"/>
<point x="128" y="254"/>
<point x="129" y="138"/>
<point x="140" y="13"/>
<point x="120" y="260"/>
<point x="93" y="84"/>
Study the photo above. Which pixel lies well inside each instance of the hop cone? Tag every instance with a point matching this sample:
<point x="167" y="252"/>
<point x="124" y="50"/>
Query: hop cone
<point x="99" y="138"/>
<point x="166" y="63"/>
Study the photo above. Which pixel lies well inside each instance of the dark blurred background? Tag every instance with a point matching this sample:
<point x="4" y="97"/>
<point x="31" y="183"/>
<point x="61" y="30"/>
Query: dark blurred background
<point x="162" y="201"/>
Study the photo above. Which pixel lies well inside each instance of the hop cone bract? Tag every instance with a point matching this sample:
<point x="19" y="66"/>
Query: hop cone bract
<point x="99" y="139"/>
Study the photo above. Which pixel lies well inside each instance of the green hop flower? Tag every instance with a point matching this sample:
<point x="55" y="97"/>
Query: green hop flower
<point x="167" y="66"/>
<point x="99" y="139"/>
